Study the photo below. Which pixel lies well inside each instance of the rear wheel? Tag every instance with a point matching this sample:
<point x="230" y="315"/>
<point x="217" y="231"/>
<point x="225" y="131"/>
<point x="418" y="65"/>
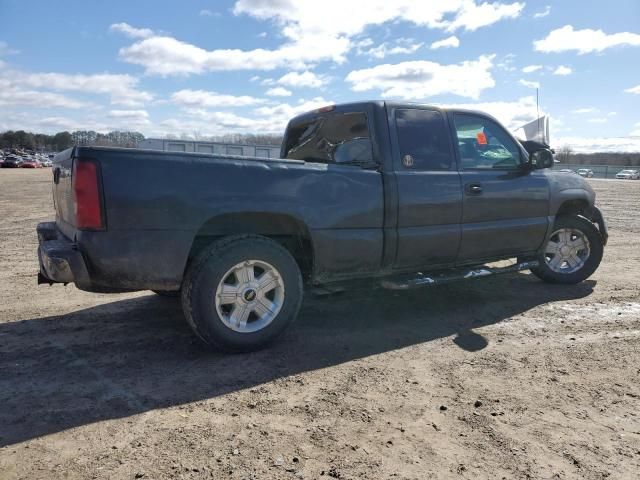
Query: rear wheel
<point x="241" y="293"/>
<point x="573" y="251"/>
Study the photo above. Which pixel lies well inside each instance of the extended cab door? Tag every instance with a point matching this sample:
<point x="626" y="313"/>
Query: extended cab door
<point x="428" y="185"/>
<point x="505" y="206"/>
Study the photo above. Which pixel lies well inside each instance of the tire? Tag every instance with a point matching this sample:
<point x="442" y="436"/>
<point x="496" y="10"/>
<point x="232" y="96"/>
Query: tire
<point x="218" y="290"/>
<point x="167" y="293"/>
<point x="583" y="229"/>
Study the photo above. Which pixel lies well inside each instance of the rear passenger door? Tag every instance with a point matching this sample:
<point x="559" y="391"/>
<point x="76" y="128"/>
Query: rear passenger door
<point x="429" y="188"/>
<point x="505" y="206"/>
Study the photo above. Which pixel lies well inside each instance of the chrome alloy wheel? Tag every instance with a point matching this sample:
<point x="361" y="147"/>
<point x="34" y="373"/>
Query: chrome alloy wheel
<point x="249" y="296"/>
<point x="567" y="250"/>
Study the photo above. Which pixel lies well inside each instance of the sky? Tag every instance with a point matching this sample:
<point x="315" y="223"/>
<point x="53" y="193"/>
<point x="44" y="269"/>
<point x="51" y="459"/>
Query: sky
<point x="207" y="68"/>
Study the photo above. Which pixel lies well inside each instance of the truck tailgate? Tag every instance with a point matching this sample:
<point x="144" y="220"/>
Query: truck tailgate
<point x="63" y="191"/>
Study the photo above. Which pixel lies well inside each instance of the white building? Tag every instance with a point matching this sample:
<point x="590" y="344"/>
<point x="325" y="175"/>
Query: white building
<point x="201" y="146"/>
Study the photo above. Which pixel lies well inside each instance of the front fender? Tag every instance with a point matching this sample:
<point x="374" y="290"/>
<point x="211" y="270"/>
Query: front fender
<point x="595" y="215"/>
<point x="561" y="197"/>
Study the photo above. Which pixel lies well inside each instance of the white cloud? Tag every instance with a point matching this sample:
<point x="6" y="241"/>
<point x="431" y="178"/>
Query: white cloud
<point x="278" y="115"/>
<point x="203" y="98"/>
<point x="543" y="13"/>
<point x="304" y="79"/>
<point x="266" y="119"/>
<point x="629" y="144"/>
<point x="383" y="50"/>
<point x="121" y="88"/>
<point x="598" y="120"/>
<point x="449" y="42"/>
<point x="163" y="55"/>
<point x="130" y="31"/>
<point x="531" y="68"/>
<point x="562" y="70"/>
<point x="15" y="95"/>
<point x="511" y="114"/>
<point x="584" y="41"/>
<point x="205" y="13"/>
<point x="506" y="63"/>
<point x="6" y="50"/>
<point x="312" y="31"/>
<point x="56" y="123"/>
<point x="528" y="84"/>
<point x="278" y="92"/>
<point x="473" y="16"/>
<point x="422" y="79"/>
<point x="131" y="118"/>
<point x="581" y="111"/>
<point x="635" y="90"/>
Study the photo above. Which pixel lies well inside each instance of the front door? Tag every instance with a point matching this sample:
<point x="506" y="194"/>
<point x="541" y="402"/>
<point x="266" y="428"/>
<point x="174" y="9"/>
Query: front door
<point x="429" y="190"/>
<point x="505" y="206"/>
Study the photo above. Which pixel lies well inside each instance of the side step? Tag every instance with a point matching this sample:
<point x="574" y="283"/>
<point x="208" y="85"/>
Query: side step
<point x="422" y="280"/>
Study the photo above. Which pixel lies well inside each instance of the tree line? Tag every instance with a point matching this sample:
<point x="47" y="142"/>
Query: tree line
<point x="232" y="138"/>
<point x="567" y="155"/>
<point x="62" y="140"/>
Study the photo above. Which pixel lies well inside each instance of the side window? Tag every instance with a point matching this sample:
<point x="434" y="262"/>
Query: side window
<point x="340" y="138"/>
<point x="423" y="139"/>
<point x="483" y="144"/>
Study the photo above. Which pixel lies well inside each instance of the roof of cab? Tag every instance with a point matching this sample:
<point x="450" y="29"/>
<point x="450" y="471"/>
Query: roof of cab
<point x="364" y="105"/>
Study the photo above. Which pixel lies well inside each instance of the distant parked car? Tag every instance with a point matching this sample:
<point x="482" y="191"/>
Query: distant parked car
<point x="585" y="172"/>
<point x="12" y="161"/>
<point x="46" y="163"/>
<point x="30" y="163"/>
<point x="566" y="170"/>
<point x="628" y="175"/>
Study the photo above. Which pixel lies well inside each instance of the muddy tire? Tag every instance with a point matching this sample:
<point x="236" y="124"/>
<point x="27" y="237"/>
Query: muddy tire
<point x="241" y="293"/>
<point x="573" y="252"/>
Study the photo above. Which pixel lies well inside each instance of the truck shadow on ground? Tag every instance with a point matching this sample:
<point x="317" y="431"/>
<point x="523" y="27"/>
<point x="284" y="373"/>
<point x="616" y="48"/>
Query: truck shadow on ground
<point x="130" y="356"/>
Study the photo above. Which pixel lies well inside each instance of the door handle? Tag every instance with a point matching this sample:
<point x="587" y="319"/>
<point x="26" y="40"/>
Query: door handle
<point x="474" y="188"/>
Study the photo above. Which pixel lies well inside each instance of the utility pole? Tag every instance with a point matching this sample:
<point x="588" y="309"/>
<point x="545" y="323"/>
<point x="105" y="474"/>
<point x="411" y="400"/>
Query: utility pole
<point x="538" y="114"/>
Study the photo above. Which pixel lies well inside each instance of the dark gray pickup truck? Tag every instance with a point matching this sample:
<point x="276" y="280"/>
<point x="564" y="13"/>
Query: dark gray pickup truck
<point x="410" y="194"/>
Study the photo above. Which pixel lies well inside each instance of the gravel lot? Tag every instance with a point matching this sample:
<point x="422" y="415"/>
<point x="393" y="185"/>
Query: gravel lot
<point x="500" y="378"/>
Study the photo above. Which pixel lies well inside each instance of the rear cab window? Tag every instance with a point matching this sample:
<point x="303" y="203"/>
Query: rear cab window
<point x="423" y="139"/>
<point x="336" y="138"/>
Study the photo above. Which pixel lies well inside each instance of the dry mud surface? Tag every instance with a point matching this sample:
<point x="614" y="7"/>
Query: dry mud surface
<point x="500" y="378"/>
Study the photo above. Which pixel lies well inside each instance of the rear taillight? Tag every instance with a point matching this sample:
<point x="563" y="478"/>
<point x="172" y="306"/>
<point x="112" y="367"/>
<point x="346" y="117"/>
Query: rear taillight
<point x="86" y="195"/>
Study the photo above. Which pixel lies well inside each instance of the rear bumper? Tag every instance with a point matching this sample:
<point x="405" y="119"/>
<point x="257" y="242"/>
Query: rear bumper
<point x="113" y="262"/>
<point x="60" y="260"/>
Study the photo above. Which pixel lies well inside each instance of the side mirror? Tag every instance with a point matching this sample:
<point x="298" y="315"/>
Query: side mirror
<point x="542" y="158"/>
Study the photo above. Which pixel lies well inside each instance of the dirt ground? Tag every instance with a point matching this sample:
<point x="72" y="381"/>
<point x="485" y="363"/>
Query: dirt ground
<point x="499" y="378"/>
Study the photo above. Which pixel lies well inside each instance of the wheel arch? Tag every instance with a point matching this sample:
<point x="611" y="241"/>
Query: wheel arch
<point x="289" y="231"/>
<point x="572" y="206"/>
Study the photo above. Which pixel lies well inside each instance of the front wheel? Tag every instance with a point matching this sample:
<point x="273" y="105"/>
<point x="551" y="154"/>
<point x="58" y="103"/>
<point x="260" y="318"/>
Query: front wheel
<point x="241" y="293"/>
<point x="573" y="251"/>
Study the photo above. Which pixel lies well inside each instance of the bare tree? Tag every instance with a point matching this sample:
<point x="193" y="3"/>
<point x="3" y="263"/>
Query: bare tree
<point x="564" y="153"/>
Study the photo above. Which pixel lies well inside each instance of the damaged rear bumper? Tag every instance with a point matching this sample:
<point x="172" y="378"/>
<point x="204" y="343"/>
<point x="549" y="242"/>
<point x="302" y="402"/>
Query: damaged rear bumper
<point x="60" y="260"/>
